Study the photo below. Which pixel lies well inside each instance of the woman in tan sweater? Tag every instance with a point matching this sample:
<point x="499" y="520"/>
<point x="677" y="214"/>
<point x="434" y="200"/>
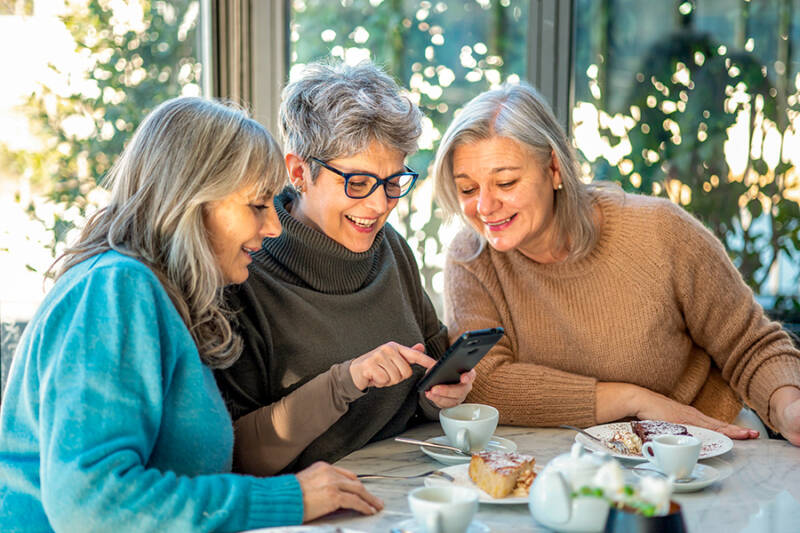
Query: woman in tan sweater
<point x="614" y="305"/>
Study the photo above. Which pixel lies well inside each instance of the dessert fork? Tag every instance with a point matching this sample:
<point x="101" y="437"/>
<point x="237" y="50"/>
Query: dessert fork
<point x="439" y="473"/>
<point x="615" y="445"/>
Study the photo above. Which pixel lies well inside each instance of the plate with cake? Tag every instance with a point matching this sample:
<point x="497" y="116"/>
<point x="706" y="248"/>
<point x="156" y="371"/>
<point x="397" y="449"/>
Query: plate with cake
<point x="500" y="477"/>
<point x="635" y="433"/>
<point x="496" y="444"/>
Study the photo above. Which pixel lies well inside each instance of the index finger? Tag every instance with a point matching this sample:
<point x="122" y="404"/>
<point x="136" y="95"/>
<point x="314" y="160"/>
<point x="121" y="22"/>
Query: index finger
<point x="416" y="357"/>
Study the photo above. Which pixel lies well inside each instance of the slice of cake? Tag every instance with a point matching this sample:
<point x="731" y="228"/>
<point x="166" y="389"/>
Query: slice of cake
<point x="502" y="473"/>
<point x="631" y="443"/>
<point x="647" y="429"/>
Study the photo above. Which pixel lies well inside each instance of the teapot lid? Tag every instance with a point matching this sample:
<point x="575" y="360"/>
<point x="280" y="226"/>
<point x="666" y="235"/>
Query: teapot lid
<point x="577" y="458"/>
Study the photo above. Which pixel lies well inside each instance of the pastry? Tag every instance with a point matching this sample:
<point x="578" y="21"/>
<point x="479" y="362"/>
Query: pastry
<point x="630" y="442"/>
<point x="501" y="474"/>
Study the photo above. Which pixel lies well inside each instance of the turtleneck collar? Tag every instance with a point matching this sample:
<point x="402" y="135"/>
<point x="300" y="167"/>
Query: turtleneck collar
<point x="308" y="257"/>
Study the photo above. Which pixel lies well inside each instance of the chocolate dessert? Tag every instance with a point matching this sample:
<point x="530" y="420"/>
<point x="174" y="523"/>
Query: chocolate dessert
<point x="647" y="429"/>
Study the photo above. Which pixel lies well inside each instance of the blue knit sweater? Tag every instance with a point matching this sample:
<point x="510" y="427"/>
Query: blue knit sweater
<point x="110" y="421"/>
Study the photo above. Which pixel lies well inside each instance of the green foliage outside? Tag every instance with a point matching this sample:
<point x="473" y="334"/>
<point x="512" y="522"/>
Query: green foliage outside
<point x="703" y="120"/>
<point x="134" y="64"/>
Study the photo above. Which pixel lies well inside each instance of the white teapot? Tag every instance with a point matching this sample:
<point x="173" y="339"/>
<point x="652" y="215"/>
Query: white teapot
<point x="551" y="499"/>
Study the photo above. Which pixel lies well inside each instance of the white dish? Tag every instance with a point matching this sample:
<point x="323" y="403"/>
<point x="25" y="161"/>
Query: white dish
<point x="703" y="475"/>
<point x="461" y="478"/>
<point x="411" y="526"/>
<point x="714" y="443"/>
<point x="497" y="444"/>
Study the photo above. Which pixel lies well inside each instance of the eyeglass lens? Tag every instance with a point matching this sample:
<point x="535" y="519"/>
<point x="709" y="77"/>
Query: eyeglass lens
<point x="362" y="185"/>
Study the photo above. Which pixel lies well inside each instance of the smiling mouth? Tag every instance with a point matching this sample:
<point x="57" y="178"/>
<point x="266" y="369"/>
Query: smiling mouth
<point x="362" y="222"/>
<point x="499" y="223"/>
<point x="249" y="250"/>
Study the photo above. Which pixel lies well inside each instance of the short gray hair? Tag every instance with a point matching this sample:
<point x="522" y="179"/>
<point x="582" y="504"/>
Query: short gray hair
<point x="186" y="153"/>
<point x="336" y="110"/>
<point x="519" y="112"/>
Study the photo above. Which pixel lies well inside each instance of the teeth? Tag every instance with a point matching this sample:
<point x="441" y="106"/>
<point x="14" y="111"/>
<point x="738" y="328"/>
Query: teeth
<point x="363" y="222"/>
<point x="498" y="223"/>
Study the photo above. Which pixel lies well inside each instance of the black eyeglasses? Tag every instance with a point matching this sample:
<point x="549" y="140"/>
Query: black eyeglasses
<point x="360" y="185"/>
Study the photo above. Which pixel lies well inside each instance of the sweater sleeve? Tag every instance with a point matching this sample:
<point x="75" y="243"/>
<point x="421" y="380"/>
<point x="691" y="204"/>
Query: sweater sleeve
<point x="102" y="399"/>
<point x="269" y="437"/>
<point x="525" y="393"/>
<point x="754" y="354"/>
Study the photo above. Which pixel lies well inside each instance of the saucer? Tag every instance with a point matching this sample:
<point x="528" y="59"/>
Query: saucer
<point x="497" y="444"/>
<point x="411" y="526"/>
<point x="703" y="475"/>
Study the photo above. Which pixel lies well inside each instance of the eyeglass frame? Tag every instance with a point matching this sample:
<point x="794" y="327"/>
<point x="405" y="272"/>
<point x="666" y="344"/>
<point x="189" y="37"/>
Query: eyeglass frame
<point x="378" y="181"/>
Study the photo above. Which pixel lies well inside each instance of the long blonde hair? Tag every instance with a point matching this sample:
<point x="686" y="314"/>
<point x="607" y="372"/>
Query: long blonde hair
<point x="186" y="153"/>
<point x="520" y="113"/>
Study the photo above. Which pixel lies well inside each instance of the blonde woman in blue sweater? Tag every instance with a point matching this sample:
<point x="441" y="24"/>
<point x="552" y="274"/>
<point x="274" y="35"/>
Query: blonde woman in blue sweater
<point x="112" y="419"/>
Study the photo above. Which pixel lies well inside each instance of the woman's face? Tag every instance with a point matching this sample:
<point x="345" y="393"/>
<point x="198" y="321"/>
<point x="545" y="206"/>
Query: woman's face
<point x="506" y="194"/>
<point x="324" y="206"/>
<point x="236" y="226"/>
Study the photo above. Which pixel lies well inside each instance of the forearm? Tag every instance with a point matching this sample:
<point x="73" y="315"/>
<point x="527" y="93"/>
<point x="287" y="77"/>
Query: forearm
<point x="534" y="395"/>
<point x="269" y="438"/>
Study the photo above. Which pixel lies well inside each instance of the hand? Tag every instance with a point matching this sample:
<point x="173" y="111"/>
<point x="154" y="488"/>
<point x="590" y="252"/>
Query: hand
<point x="444" y="396"/>
<point x="653" y="406"/>
<point x="784" y="412"/>
<point x="327" y="488"/>
<point x="388" y="365"/>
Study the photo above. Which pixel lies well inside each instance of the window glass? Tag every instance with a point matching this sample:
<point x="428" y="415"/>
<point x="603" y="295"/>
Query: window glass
<point x="698" y="101"/>
<point x="444" y="52"/>
<point x="79" y="78"/>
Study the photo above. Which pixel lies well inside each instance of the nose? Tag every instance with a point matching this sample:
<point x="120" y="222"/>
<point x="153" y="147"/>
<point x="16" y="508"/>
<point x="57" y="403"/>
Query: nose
<point x="487" y="203"/>
<point x="270" y="225"/>
<point x="378" y="201"/>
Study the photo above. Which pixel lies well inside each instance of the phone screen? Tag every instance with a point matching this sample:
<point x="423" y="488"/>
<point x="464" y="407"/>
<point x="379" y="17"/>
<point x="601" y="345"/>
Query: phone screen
<point x="461" y="357"/>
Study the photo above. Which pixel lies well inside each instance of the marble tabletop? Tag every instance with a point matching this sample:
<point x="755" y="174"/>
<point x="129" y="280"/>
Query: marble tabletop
<point x="760" y="491"/>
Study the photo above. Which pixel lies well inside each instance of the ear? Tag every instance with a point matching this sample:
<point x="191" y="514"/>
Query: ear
<point x="555" y="170"/>
<point x="297" y="169"/>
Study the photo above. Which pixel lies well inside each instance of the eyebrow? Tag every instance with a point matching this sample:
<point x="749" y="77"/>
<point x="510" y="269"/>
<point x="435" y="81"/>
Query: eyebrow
<point x="493" y="171"/>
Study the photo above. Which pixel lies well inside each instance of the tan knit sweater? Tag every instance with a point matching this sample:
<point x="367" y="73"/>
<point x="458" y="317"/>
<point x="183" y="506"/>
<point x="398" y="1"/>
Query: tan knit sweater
<point x="657" y="303"/>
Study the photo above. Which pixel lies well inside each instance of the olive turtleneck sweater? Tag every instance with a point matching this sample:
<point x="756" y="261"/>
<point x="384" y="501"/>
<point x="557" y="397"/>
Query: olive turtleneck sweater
<point x="656" y="303"/>
<point x="310" y="306"/>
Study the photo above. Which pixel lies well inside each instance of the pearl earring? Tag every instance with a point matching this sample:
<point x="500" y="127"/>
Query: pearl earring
<point x="560" y="186"/>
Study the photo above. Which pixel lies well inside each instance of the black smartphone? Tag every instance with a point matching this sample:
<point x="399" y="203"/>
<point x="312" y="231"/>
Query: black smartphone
<point x="461" y="357"/>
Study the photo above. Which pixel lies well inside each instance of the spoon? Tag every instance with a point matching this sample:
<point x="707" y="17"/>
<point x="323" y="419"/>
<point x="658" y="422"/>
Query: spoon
<point x="431" y="445"/>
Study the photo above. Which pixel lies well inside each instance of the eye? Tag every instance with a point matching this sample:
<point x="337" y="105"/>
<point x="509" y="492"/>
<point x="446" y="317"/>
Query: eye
<point x="260" y="207"/>
<point x="466" y="191"/>
<point x="507" y="184"/>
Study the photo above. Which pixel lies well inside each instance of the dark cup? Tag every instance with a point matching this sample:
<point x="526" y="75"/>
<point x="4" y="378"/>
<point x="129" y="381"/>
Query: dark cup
<point x="628" y="521"/>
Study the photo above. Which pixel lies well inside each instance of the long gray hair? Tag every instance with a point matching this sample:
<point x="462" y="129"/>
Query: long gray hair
<point x="336" y="110"/>
<point x="520" y="113"/>
<point x="186" y="153"/>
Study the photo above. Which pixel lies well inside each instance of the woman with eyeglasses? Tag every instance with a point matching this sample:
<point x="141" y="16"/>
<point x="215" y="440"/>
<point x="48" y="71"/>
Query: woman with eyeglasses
<point x="337" y="327"/>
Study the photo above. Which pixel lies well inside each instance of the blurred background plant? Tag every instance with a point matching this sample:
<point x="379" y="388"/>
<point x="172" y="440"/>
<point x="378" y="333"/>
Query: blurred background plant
<point x="704" y="120"/>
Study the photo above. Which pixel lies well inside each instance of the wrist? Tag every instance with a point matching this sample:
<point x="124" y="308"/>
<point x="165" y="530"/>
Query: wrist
<point x="779" y="399"/>
<point x="356" y="376"/>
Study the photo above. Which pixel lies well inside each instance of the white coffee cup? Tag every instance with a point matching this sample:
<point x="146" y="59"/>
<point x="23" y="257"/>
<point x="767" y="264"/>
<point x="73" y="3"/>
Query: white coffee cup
<point x="674" y="455"/>
<point x="469" y="426"/>
<point x="443" y="509"/>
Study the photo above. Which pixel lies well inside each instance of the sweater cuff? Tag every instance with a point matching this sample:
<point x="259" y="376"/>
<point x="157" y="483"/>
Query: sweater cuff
<point x="778" y="372"/>
<point x="275" y="501"/>
<point x="344" y="386"/>
<point x="429" y="409"/>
